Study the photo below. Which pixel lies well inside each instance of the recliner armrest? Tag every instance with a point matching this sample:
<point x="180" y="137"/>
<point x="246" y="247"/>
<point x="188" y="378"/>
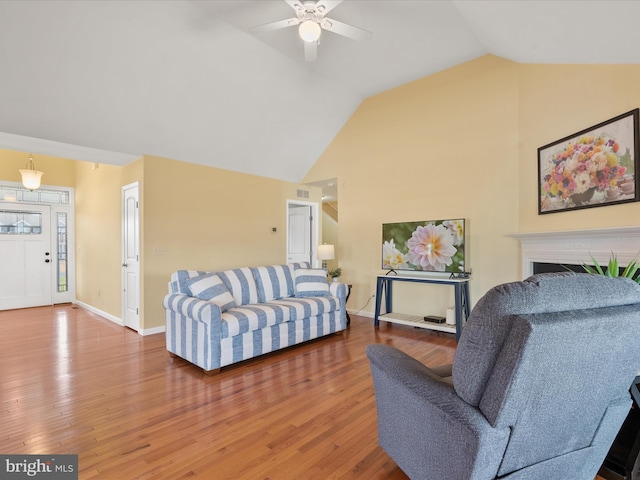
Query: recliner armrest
<point x="423" y="424"/>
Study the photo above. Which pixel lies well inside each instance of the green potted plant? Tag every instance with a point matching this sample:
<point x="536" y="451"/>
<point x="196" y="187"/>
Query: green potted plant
<point x="335" y="273"/>
<point x="613" y="268"/>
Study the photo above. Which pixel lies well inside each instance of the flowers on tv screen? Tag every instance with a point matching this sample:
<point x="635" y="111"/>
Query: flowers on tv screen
<point x="434" y="246"/>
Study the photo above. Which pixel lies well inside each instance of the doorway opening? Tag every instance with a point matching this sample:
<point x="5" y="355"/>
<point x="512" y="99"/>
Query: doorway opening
<point x="302" y="232"/>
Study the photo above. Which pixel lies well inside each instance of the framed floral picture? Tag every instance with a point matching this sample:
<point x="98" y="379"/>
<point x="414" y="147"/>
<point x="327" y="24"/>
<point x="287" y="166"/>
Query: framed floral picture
<point x="592" y="168"/>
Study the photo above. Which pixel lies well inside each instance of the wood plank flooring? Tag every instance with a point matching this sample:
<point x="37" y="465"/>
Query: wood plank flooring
<point x="73" y="382"/>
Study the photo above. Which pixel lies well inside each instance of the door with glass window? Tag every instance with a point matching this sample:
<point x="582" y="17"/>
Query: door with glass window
<point x="26" y="259"/>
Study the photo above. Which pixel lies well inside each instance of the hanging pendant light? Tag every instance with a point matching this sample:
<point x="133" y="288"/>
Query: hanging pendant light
<point x="30" y="176"/>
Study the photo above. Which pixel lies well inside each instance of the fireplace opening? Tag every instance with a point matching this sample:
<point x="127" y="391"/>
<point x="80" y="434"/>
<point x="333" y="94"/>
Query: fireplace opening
<point x="542" y="267"/>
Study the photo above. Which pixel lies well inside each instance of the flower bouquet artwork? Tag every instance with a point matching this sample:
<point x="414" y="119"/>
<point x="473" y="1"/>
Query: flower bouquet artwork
<point x="594" y="167"/>
<point x="430" y="246"/>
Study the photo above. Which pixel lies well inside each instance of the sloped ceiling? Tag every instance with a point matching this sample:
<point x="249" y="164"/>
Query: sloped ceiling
<point x="109" y="81"/>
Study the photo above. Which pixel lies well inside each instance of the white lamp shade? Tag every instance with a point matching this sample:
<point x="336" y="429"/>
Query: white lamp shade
<point x="30" y="178"/>
<point x="309" y="31"/>
<point x="326" y="252"/>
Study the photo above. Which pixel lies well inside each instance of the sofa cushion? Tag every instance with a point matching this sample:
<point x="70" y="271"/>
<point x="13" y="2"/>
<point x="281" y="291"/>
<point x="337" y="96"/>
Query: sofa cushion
<point x="311" y="283"/>
<point x="308" y="306"/>
<point x="178" y="283"/>
<point x="241" y="284"/>
<point x="297" y="265"/>
<point x="273" y="282"/>
<point x="210" y="287"/>
<point x="246" y="318"/>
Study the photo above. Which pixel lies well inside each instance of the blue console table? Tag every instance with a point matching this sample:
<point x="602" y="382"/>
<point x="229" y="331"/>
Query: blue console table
<point x="384" y="290"/>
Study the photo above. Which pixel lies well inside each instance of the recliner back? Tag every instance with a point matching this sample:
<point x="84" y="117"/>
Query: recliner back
<point x="548" y="357"/>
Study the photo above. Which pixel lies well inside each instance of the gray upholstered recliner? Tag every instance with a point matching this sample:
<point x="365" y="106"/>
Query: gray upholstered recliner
<point x="539" y="387"/>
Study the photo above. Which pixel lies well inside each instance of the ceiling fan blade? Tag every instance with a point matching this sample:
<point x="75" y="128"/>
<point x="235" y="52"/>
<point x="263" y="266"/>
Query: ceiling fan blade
<point x="268" y="27"/>
<point x="346" y="30"/>
<point x="310" y="51"/>
<point x="296" y="5"/>
<point x="325" y="6"/>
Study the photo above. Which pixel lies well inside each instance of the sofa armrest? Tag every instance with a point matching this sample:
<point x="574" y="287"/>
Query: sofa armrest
<point x="338" y="290"/>
<point x="194" y="308"/>
<point x="425" y="427"/>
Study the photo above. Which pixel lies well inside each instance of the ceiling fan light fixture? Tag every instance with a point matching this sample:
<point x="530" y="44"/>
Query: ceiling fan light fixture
<point x="309" y="31"/>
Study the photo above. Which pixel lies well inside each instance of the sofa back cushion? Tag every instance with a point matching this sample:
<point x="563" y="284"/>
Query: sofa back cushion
<point x="297" y="265"/>
<point x="179" y="278"/>
<point x="311" y="282"/>
<point x="274" y="282"/>
<point x="210" y="287"/>
<point x="241" y="284"/>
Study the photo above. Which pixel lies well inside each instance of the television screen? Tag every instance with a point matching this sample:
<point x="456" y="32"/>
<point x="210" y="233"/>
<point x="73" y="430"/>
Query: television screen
<point x="430" y="246"/>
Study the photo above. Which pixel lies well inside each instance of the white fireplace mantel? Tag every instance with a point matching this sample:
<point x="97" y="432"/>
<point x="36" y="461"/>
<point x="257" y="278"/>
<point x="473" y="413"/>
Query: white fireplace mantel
<point x="578" y="246"/>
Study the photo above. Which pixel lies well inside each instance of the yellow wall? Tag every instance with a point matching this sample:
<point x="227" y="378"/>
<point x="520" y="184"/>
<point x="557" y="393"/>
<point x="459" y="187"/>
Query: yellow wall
<point x="204" y="218"/>
<point x="557" y="101"/>
<point x="445" y="146"/>
<point x="98" y="236"/>
<point x="192" y="217"/>
<point x="463" y="143"/>
<point x="57" y="171"/>
<point x="460" y="143"/>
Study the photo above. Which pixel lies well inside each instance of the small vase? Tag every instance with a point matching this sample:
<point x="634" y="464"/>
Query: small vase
<point x="334" y="279"/>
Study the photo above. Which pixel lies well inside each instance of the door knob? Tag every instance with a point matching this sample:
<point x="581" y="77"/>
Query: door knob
<point x="47" y="261"/>
<point x="125" y="265"/>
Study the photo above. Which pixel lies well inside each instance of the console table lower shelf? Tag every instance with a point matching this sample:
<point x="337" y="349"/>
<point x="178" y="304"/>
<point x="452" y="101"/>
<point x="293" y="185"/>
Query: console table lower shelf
<point x="416" y="321"/>
<point x="384" y="291"/>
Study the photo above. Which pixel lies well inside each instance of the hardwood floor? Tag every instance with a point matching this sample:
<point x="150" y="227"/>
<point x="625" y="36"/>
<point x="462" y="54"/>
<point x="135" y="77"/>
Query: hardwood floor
<point x="72" y="382"/>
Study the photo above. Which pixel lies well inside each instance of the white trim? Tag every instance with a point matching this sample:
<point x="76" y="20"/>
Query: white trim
<point x="108" y="316"/>
<point x="575" y="247"/>
<point x="55" y="208"/>
<point x="134" y="188"/>
<point x="315" y="229"/>
<point x="119" y="321"/>
<point x="152" y="331"/>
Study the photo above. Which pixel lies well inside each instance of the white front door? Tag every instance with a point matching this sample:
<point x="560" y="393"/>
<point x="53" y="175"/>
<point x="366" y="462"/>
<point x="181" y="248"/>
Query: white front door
<point x="301" y="233"/>
<point x="26" y="259"/>
<point x="131" y="256"/>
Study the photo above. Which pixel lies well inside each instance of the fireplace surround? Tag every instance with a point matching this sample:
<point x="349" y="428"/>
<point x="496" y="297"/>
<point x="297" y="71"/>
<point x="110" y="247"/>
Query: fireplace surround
<point x="575" y="247"/>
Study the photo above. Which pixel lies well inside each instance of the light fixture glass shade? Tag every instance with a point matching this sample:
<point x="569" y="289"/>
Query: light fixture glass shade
<point x="309" y="31"/>
<point x="30" y="176"/>
<point x="326" y="252"/>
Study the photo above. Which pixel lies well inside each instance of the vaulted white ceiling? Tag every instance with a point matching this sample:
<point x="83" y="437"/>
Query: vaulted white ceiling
<point x="109" y="81"/>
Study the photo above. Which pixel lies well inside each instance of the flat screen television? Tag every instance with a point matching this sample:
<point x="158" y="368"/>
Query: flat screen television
<point x="429" y="246"/>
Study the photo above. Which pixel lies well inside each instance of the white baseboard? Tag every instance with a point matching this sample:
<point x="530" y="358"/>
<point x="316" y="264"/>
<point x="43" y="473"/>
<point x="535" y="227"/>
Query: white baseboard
<point x="106" y="315"/>
<point x="119" y="321"/>
<point x="152" y="331"/>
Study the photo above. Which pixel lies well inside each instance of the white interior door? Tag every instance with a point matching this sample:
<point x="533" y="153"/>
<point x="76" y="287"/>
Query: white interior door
<point x="26" y="259"/>
<point x="131" y="256"/>
<point x="300" y="233"/>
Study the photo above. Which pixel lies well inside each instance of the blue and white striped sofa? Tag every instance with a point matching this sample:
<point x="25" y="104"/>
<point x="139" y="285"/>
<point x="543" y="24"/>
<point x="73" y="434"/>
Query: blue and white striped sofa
<point x="214" y="319"/>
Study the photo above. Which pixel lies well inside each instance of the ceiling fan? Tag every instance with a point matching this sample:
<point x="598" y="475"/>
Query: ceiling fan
<point x="310" y="16"/>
